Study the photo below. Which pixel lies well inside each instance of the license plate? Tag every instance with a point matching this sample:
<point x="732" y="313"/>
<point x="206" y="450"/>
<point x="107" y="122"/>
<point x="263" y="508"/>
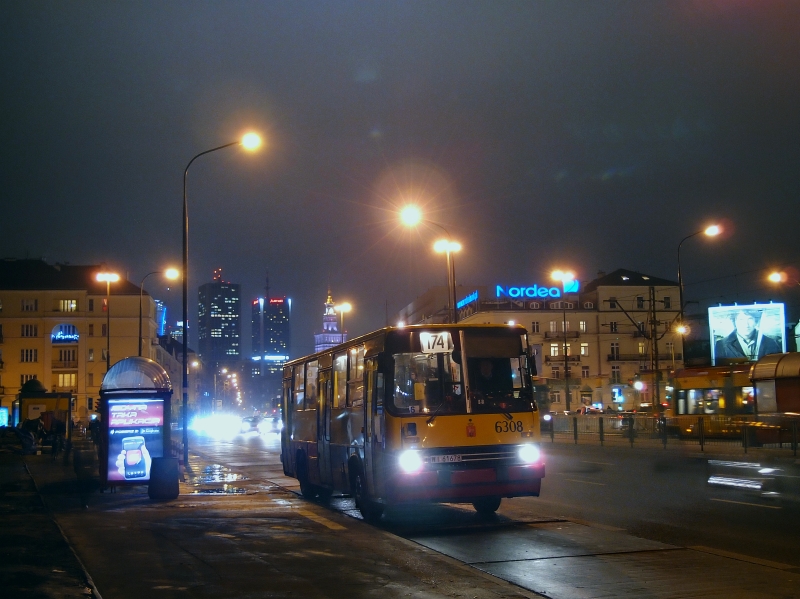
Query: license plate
<point x="444" y="459"/>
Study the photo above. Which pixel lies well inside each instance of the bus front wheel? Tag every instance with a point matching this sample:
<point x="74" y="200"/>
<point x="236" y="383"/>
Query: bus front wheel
<point x="369" y="509"/>
<point x="307" y="490"/>
<point x="486" y="505"/>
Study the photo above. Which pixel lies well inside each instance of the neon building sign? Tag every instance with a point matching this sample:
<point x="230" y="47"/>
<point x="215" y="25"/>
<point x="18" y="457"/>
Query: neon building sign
<point x="537" y="291"/>
<point x="470" y="298"/>
<point x="64" y="333"/>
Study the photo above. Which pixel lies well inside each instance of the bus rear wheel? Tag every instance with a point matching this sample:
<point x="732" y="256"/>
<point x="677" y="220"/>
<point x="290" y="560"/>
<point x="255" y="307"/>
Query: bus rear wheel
<point x="487" y="506"/>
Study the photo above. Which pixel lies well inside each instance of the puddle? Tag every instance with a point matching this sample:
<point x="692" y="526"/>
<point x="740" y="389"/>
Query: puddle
<point x="216" y="474"/>
<point x="224" y="490"/>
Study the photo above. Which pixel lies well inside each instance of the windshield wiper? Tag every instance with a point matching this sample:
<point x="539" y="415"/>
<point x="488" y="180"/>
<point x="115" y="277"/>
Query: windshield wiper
<point x="435" y="413"/>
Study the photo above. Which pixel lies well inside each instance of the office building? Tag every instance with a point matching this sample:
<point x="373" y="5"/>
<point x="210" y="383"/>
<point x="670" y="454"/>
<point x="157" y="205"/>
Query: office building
<point x="219" y="322"/>
<point x="271" y="346"/>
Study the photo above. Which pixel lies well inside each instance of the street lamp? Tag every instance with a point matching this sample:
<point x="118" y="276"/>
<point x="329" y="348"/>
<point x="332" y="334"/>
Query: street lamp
<point x="108" y="278"/>
<point x="411" y="216"/>
<point x="711" y="231"/>
<point x="781" y="277"/>
<point x="342" y="308"/>
<point x="170" y="273"/>
<point x="560" y="275"/>
<point x="250" y="142"/>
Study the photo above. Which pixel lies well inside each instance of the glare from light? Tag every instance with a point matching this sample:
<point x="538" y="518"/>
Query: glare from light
<point x="410" y="461"/>
<point x="713" y="230"/>
<point x="400" y="324"/>
<point x="445" y="245"/>
<point x="777" y="277"/>
<point x="218" y="426"/>
<point x="547" y="418"/>
<point x="511" y="323"/>
<point x="345" y="307"/>
<point x="411" y="215"/>
<point x="251" y="141"/>
<point x="638" y="385"/>
<point x="107" y="277"/>
<point x="682" y="329"/>
<point x="529" y="454"/>
<point x="561" y="275"/>
<point x="195" y="364"/>
<point x="172" y="273"/>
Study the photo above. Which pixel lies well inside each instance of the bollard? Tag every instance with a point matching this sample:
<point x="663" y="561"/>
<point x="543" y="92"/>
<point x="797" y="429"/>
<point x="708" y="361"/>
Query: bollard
<point x="163" y="484"/>
<point x="553" y="430"/>
<point x="701" y="433"/>
<point x="663" y="421"/>
<point x="601" y="430"/>
<point x="575" y="429"/>
<point x="744" y="437"/>
<point x="630" y="429"/>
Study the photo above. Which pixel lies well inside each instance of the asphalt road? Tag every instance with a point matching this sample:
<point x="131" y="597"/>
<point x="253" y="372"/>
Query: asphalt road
<point x="610" y="522"/>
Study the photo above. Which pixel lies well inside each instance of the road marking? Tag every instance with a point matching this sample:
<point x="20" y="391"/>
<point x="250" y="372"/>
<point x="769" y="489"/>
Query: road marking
<point x="586" y="482"/>
<point x="321" y="520"/>
<point x="769" y="507"/>
<point x="600" y="463"/>
<point x="742" y="558"/>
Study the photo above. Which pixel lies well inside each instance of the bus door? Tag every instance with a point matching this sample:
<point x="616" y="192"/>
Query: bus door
<point x="286" y="431"/>
<point x="324" y="428"/>
<point x="372" y="427"/>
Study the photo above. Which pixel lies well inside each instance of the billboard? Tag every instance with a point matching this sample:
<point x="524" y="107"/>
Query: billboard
<point x="746" y="333"/>
<point x="135" y="437"/>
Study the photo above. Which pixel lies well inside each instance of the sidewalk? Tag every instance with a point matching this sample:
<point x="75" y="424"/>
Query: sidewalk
<point x="35" y="559"/>
<point x="265" y="543"/>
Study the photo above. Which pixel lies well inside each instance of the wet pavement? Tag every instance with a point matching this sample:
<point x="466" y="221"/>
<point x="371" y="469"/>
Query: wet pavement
<point x="240" y="529"/>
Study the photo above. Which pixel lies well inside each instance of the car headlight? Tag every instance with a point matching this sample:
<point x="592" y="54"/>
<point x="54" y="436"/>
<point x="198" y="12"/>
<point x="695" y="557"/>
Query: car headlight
<point x="547" y="417"/>
<point x="410" y="461"/>
<point x="529" y="454"/>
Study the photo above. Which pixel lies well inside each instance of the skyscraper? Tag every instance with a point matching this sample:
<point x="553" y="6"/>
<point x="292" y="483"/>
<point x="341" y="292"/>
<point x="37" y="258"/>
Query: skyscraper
<point x="219" y="322"/>
<point x="271" y="343"/>
<point x="330" y="335"/>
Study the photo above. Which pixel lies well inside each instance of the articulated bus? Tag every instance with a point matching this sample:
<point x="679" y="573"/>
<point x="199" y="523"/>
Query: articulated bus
<point x="437" y="413"/>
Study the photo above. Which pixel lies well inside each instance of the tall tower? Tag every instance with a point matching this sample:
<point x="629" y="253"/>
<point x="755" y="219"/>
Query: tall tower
<point x="219" y="322"/>
<point x="271" y="343"/>
<point x="330" y="335"/>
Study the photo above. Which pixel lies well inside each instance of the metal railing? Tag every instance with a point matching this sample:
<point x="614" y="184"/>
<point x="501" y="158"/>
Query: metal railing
<point x="771" y="431"/>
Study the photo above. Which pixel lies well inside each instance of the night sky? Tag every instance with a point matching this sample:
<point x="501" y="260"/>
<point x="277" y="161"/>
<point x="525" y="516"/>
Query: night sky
<point x="586" y="135"/>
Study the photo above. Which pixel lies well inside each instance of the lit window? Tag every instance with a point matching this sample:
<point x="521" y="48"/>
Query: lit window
<point x="554" y="349"/>
<point x="584" y="349"/>
<point x="582" y="326"/>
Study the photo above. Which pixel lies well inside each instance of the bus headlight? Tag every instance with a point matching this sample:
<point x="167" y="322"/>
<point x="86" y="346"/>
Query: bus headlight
<point x="529" y="454"/>
<point x="410" y="461"/>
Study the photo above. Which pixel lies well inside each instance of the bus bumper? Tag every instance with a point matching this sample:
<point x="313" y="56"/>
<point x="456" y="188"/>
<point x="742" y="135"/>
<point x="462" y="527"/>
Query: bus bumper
<point x="452" y="485"/>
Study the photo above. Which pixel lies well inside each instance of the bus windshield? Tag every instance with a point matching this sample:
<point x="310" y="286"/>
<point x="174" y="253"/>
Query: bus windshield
<point x="432" y="383"/>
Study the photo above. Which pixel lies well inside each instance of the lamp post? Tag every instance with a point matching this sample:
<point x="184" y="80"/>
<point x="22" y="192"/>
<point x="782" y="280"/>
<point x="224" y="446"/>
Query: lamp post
<point x="341" y="309"/>
<point x="251" y="141"/>
<point x="559" y="275"/>
<point x="108" y="278"/>
<point x="170" y="273"/>
<point x="711" y="231"/>
<point x="411" y="216"/>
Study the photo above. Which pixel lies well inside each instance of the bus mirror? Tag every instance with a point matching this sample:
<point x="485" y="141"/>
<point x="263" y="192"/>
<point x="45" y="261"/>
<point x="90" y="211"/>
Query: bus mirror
<point x="456" y="356"/>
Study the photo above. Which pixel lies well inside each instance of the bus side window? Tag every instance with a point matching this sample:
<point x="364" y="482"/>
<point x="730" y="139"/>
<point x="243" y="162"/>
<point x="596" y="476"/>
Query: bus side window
<point x="355" y="380"/>
<point x="339" y="380"/>
<point x="299" y="386"/>
<point x="379" y="392"/>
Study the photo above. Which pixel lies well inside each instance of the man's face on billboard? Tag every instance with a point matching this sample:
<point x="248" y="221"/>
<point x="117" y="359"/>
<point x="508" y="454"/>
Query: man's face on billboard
<point x="745" y="325"/>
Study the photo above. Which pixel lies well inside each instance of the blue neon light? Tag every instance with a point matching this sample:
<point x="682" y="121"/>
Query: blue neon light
<point x="470" y="298"/>
<point x="527" y="292"/>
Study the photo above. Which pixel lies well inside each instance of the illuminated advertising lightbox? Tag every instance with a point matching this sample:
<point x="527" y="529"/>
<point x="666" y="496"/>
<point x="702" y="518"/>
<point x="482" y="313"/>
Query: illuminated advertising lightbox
<point x="746" y="333"/>
<point x="135" y="437"/>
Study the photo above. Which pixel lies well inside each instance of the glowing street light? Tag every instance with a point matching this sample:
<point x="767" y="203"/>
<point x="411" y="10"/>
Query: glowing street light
<point x="250" y="142"/>
<point x="170" y="273"/>
<point x="564" y="276"/>
<point x="411" y="216"/>
<point x="710" y="231"/>
<point x="341" y="309"/>
<point x="108" y="278"/>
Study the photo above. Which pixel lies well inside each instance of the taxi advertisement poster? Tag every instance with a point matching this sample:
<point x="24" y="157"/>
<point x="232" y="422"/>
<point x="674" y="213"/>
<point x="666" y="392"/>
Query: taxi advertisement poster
<point x="135" y="437"/>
